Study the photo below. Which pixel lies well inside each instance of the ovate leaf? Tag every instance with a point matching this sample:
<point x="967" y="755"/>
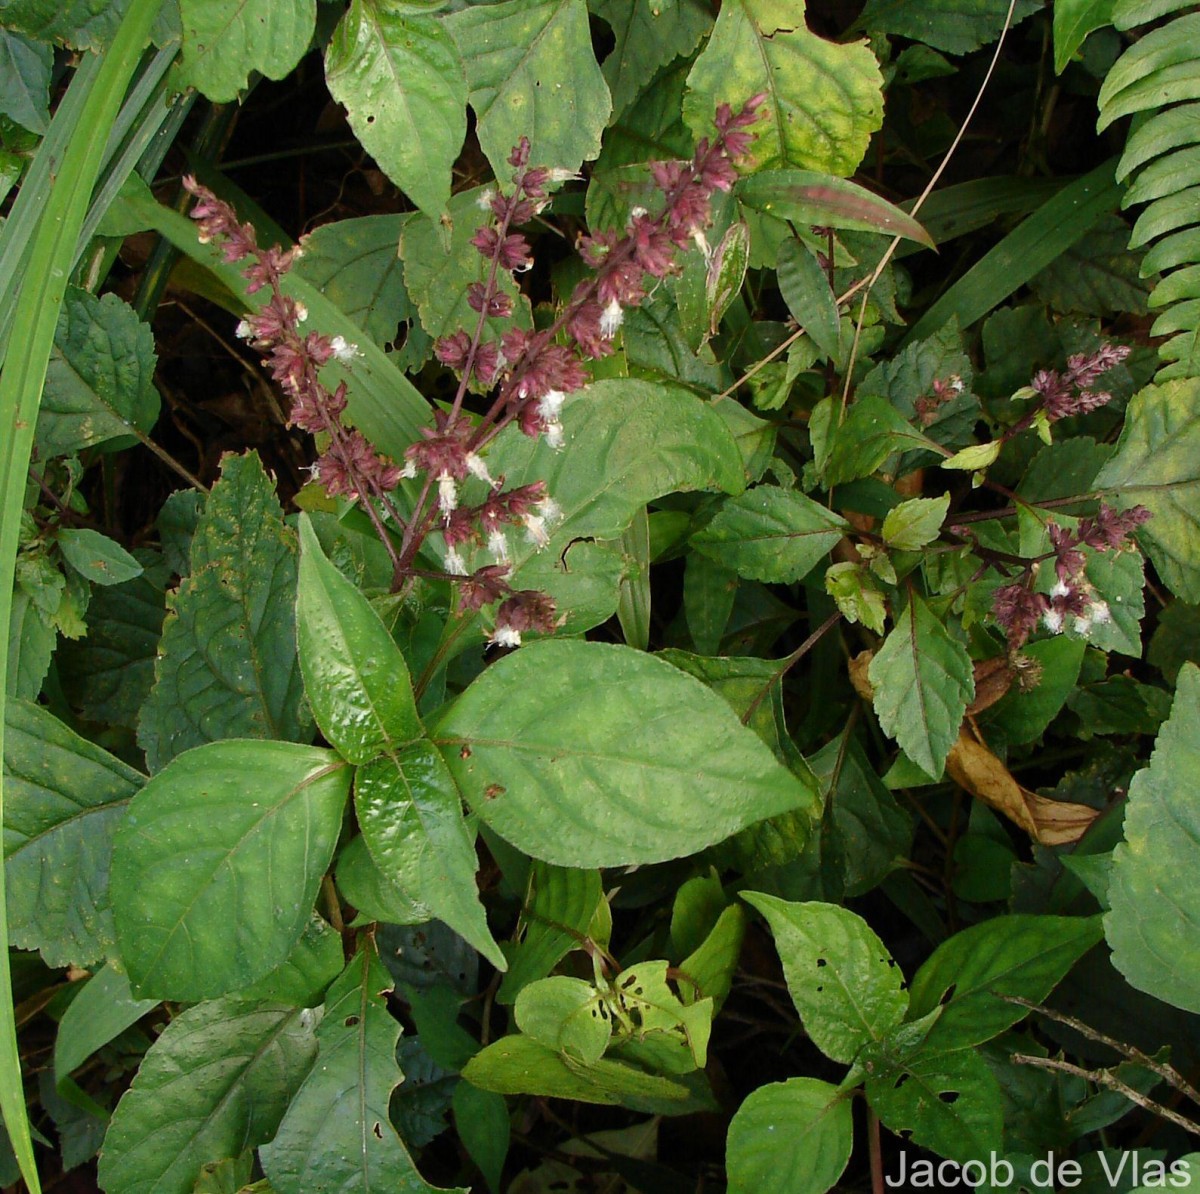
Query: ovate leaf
<point x="968" y="975"/>
<point x="590" y="755"/>
<point x="956" y="26"/>
<point x="103" y="1009"/>
<point x="227" y="667"/>
<point x="100" y="380"/>
<point x="355" y="677"/>
<point x="532" y="73"/>
<point x="337" y="1134"/>
<point x="401" y="80"/>
<point x="912" y="524"/>
<point x="1157" y="465"/>
<point x="25" y="67"/>
<point x="411" y="816"/>
<point x="217" y="864"/>
<point x="923" y="681"/>
<point x="1153" y="889"/>
<point x="217" y="1080"/>
<point x="823" y="100"/>
<point x="770" y="534"/>
<point x="790" y="1137"/>
<point x="96" y="557"/>
<point x="64" y="798"/>
<point x="842" y="980"/>
<point x="1073" y="21"/>
<point x="224" y="40"/>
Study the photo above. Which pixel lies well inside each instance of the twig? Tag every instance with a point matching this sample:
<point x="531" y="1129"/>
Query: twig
<point x="791" y="660"/>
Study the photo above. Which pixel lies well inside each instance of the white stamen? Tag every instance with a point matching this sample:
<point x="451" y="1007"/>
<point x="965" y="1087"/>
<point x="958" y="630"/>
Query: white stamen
<point x="611" y="319"/>
<point x="455" y="564"/>
<point x="409" y="471"/>
<point x="550" y="405"/>
<point x="1061" y="589"/>
<point x="702" y="243"/>
<point x="484" y="202"/>
<point x="477" y="468"/>
<point x="505" y="636"/>
<point x="1053" y="621"/>
<point x="344" y="351"/>
<point x="1100" y="613"/>
<point x="243" y="331"/>
<point x="554" y="435"/>
<point x="549" y="510"/>
<point x="557" y="174"/>
<point x="447" y="494"/>
<point x="1082" y="625"/>
<point x="636" y="213"/>
<point x="535" y="530"/>
<point x="497" y="544"/>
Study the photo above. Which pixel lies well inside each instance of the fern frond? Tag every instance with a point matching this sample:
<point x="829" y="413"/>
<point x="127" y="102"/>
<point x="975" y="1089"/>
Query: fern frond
<point x="1153" y="81"/>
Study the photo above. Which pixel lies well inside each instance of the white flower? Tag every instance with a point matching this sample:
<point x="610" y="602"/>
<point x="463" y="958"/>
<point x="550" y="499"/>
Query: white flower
<point x="497" y="544"/>
<point x="409" y="471"/>
<point x="447" y="494"/>
<point x="550" y="510"/>
<point x="344" y="351"/>
<point x="1053" y="621"/>
<point x="702" y="243"/>
<point x="1082" y="625"/>
<point x="1061" y="589"/>
<point x="535" y="530"/>
<point x="505" y="636"/>
<point x="301" y="312"/>
<point x="243" y="331"/>
<point x="484" y="202"/>
<point x="1101" y="615"/>
<point x="550" y="405"/>
<point x="611" y="319"/>
<point x="558" y="175"/>
<point x="455" y="564"/>
<point x="477" y="468"/>
<point x="636" y="213"/>
<point x="554" y="435"/>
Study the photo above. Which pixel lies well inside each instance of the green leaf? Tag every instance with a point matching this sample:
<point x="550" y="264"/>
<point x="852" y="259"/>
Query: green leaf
<point x="1024" y="716"/>
<point x="216" y="1081"/>
<point x="1151" y="932"/>
<point x="809" y="197"/>
<point x="707" y="972"/>
<point x="100" y="380"/>
<point x="641" y="763"/>
<point x="823" y="100"/>
<point x="872" y="430"/>
<point x="411" y="818"/>
<point x="108" y="674"/>
<point x="532" y="73"/>
<point x="842" y="980"/>
<point x="101" y="1011"/>
<point x="25" y="67"/>
<point x="336" y="1134"/>
<point x="1176" y="639"/>
<point x="856" y="594"/>
<point x="520" y="1065"/>
<point x="560" y="905"/>
<point x="790" y="1137"/>
<point x="96" y="557"/>
<point x="438" y="273"/>
<point x="923" y="681"/>
<point x="65" y="798"/>
<point x="956" y="26"/>
<point x="217" y="863"/>
<point x="1099" y="275"/>
<point x="300" y="981"/>
<point x="967" y="975"/>
<point x="770" y="534"/>
<point x="709" y="590"/>
<point x="224" y="40"/>
<point x="567" y="1015"/>
<point x="1073" y="21"/>
<point x="948" y="1102"/>
<point x="649" y="34"/>
<point x="912" y="524"/>
<point x="356" y="264"/>
<point x="1157" y="465"/>
<point x="805" y="288"/>
<point x="401" y="80"/>
<point x="377" y="896"/>
<point x="355" y="677"/>
<point x="227" y="666"/>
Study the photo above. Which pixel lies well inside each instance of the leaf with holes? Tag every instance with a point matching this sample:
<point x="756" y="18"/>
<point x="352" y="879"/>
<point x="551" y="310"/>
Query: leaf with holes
<point x="337" y="1134"/>
<point x="847" y="989"/>
<point x="969" y="974"/>
<point x="823" y="100"/>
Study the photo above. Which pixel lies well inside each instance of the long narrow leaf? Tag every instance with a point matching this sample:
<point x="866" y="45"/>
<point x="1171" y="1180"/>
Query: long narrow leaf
<point x="41" y="290"/>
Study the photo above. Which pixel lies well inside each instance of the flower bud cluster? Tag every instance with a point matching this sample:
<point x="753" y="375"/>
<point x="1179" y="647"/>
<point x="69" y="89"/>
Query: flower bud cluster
<point x="1071" y="393"/>
<point x="1072" y="600"/>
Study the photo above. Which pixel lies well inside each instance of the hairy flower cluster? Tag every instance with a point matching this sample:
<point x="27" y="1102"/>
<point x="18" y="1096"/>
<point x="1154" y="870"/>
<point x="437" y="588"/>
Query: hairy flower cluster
<point x="1072" y="601"/>
<point x="531" y="372"/>
<point x="1071" y="393"/>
